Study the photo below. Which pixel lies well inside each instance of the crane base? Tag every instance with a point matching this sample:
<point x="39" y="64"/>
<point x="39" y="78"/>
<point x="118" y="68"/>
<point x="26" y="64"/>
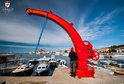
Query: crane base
<point x="85" y="72"/>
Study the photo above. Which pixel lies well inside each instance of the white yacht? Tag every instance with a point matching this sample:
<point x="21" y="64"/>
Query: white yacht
<point x="23" y="69"/>
<point x="44" y="59"/>
<point x="53" y="62"/>
<point x="62" y="63"/>
<point x="42" y="69"/>
<point x="121" y="65"/>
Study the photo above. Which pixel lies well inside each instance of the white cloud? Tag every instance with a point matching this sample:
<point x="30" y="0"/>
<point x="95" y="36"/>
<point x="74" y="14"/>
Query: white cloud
<point x="17" y="32"/>
<point x="99" y="26"/>
<point x="27" y="33"/>
<point x="107" y="17"/>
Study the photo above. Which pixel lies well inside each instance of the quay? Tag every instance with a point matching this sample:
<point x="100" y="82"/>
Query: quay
<point x="61" y="76"/>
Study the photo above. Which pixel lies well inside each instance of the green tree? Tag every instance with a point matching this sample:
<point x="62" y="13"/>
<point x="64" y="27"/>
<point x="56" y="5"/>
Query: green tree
<point x="113" y="48"/>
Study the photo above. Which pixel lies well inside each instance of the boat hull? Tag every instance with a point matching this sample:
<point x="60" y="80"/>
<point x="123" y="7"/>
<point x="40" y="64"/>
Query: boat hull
<point x="34" y="62"/>
<point x="119" y="72"/>
<point x="53" y="64"/>
<point x="6" y="72"/>
<point x="24" y="73"/>
<point x="43" y="73"/>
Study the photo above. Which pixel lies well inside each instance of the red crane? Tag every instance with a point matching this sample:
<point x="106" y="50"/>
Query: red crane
<point x="84" y="51"/>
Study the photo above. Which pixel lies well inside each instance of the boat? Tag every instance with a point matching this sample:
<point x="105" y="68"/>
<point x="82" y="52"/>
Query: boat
<point x="8" y="62"/>
<point x="62" y="63"/>
<point x="101" y="56"/>
<point x="44" y="59"/>
<point x="118" y="55"/>
<point x="6" y="71"/>
<point x="116" y="69"/>
<point x="23" y="70"/>
<point x="42" y="69"/>
<point x="33" y="61"/>
<point x="53" y="62"/>
<point x="105" y="69"/>
<point x="121" y="65"/>
<point x="65" y="54"/>
<point x="120" y="72"/>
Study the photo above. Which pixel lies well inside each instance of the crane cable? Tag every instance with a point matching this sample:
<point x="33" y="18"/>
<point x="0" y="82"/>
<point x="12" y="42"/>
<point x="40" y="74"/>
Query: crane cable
<point x="42" y="29"/>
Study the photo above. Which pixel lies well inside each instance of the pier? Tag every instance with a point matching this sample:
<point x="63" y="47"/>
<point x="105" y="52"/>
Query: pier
<point x="61" y="76"/>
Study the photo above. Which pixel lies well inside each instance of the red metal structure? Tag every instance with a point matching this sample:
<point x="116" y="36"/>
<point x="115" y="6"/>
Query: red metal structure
<point x="83" y="49"/>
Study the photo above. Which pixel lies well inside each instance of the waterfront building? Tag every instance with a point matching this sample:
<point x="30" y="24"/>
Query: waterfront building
<point x="120" y="50"/>
<point x="106" y="49"/>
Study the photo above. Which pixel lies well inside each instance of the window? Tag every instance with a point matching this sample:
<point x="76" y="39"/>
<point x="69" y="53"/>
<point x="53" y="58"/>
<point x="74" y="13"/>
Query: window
<point x="43" y="67"/>
<point x="39" y="67"/>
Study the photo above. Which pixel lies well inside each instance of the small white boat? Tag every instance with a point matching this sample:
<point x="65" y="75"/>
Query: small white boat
<point x="121" y="65"/>
<point x="42" y="69"/>
<point x="118" y="55"/>
<point x="53" y="62"/>
<point x="62" y="61"/>
<point x="65" y="54"/>
<point x="23" y="69"/>
<point x="44" y="59"/>
<point x="33" y="61"/>
<point x="106" y="70"/>
<point x="116" y="69"/>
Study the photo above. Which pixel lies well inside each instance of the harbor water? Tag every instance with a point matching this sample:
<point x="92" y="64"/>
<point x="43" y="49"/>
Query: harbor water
<point x="25" y="59"/>
<point x="28" y="57"/>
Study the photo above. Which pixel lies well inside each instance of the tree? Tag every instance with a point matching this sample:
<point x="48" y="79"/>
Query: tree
<point x="113" y="48"/>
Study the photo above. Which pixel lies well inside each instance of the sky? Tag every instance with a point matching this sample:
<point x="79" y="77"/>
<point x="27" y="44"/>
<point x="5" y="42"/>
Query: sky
<point x="99" y="21"/>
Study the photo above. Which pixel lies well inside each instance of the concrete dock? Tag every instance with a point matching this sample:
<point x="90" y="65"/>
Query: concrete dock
<point x="61" y="76"/>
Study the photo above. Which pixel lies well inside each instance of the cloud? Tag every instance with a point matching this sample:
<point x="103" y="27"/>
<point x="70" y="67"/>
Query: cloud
<point x="16" y="32"/>
<point x="19" y="29"/>
<point x="100" y="26"/>
<point x="102" y="19"/>
<point x="27" y="33"/>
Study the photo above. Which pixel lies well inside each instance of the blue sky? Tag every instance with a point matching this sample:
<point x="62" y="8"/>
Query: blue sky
<point x="99" y="21"/>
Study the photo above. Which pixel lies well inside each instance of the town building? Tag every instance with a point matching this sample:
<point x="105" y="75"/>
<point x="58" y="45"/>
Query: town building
<point x="120" y="50"/>
<point x="106" y="49"/>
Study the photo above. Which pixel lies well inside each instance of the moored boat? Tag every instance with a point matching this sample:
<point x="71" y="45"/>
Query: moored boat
<point x="23" y="70"/>
<point x="53" y="62"/>
<point x="8" y="62"/>
<point x="120" y="72"/>
<point x="44" y="59"/>
<point x="116" y="69"/>
<point x="6" y="71"/>
<point x="42" y="69"/>
<point x="121" y="65"/>
<point x="33" y="61"/>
